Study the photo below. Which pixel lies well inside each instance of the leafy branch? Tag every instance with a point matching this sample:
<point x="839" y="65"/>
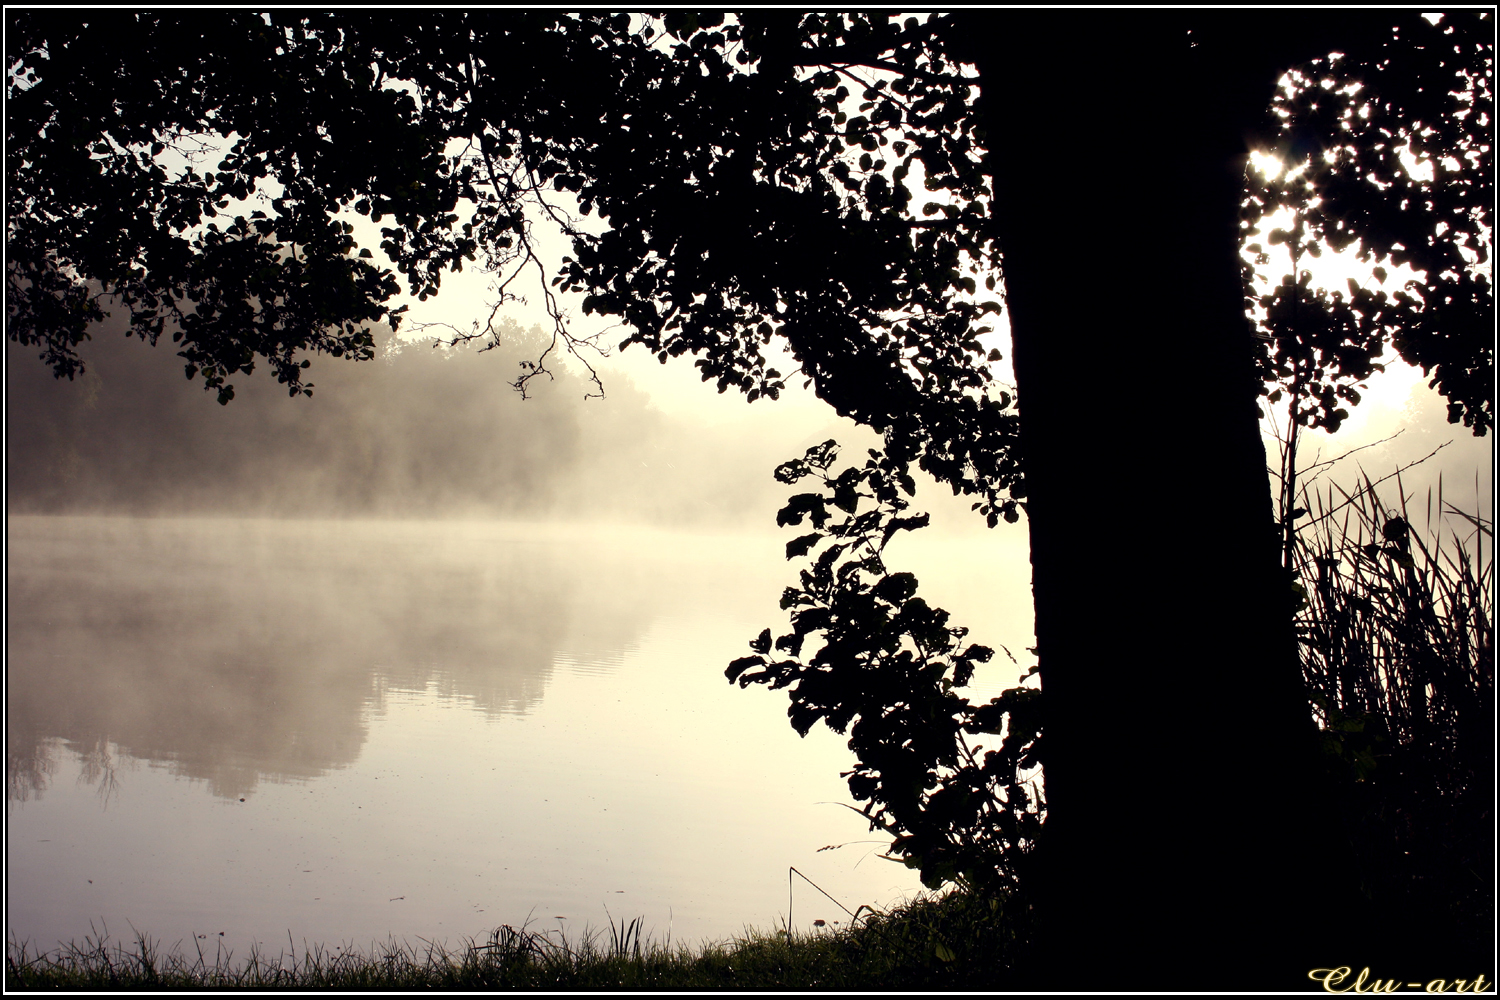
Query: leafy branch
<point x="885" y="667"/>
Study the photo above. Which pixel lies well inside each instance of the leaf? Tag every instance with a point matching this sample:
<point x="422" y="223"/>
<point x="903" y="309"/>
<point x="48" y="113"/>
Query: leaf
<point x="846" y="497"/>
<point x="902" y="524"/>
<point x="799" y="506"/>
<point x="800" y="546"/>
<point x="897" y="588"/>
<point x="742" y="664"/>
<point x="822" y="456"/>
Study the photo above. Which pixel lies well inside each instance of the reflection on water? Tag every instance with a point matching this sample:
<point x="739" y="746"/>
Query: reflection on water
<point x="236" y="651"/>
<point x="404" y="728"/>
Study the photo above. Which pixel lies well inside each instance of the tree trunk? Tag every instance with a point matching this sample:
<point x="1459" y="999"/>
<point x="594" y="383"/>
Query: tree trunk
<point x="1186" y="846"/>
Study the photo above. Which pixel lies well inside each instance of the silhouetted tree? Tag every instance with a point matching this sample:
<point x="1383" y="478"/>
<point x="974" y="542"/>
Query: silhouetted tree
<point x="754" y="175"/>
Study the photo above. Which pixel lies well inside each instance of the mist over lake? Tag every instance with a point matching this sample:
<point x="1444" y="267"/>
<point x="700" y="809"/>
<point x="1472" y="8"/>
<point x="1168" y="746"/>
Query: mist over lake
<point x="460" y="654"/>
<point x="414" y="658"/>
<point x="416" y="432"/>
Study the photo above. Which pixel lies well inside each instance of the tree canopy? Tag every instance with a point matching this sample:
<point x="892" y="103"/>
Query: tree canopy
<point x="742" y="199"/>
<point x="1415" y="122"/>
<point x="733" y="211"/>
<point x="751" y="179"/>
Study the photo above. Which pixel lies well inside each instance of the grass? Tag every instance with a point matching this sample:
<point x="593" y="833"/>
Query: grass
<point x="1397" y="639"/>
<point x="952" y="940"/>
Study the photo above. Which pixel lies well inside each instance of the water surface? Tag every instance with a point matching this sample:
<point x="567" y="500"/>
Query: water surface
<point x="344" y="731"/>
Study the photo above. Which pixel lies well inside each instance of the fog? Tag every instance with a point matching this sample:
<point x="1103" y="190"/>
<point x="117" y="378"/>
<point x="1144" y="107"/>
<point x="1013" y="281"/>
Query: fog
<point x="428" y="433"/>
<point x="417" y="432"/>
<point x="416" y="610"/>
<point x="358" y="728"/>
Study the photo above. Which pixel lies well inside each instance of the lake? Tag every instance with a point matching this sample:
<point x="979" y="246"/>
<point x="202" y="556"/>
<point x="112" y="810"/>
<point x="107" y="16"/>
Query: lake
<point x="351" y="731"/>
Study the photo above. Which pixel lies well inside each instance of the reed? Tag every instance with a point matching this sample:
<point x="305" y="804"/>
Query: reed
<point x="1396" y="631"/>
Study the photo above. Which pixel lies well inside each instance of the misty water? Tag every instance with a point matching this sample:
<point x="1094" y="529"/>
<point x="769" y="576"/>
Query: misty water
<point x="317" y="716"/>
<point x="351" y="730"/>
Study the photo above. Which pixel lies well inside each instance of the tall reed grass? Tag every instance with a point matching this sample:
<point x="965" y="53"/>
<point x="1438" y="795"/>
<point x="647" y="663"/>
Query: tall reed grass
<point x="1396" y="631"/>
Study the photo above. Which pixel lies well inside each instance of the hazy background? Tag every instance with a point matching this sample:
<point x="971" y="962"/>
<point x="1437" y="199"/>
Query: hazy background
<point x="417" y="432"/>
<point x="429" y="433"/>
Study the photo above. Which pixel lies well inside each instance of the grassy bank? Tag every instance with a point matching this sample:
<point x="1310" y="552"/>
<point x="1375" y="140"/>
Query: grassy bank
<point x="949" y="941"/>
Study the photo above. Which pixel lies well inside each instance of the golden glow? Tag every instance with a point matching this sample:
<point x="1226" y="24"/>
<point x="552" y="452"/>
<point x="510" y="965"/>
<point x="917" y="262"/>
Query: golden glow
<point x="1266" y="164"/>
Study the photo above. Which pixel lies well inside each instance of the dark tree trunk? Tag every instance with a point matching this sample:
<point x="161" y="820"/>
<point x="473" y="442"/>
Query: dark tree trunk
<point x="1186" y="844"/>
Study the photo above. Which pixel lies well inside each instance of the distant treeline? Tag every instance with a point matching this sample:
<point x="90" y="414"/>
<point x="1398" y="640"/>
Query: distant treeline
<point x="417" y="432"/>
